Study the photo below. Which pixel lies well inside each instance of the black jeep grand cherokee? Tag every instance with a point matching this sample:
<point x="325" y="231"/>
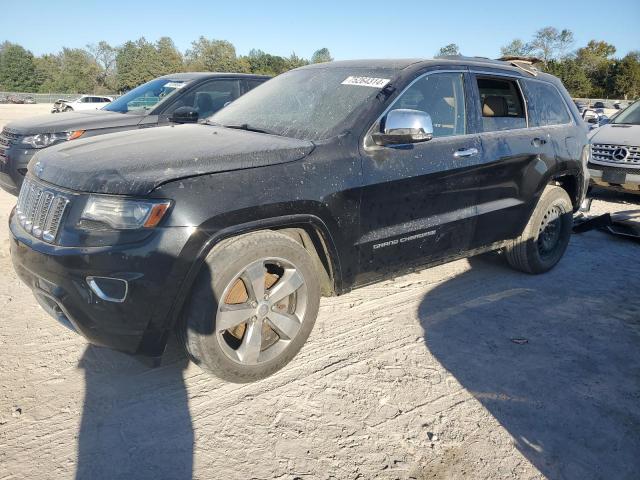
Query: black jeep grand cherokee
<point x="327" y="178"/>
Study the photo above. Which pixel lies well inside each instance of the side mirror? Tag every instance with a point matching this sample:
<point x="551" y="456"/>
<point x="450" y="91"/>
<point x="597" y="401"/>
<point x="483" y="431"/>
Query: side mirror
<point x="185" y="115"/>
<point x="403" y="126"/>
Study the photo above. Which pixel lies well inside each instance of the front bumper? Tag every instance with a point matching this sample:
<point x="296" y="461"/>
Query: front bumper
<point x="58" y="278"/>
<point x="615" y="178"/>
<point x="13" y="167"/>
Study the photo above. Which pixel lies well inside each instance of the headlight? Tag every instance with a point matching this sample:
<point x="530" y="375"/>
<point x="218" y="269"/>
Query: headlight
<point x="123" y="213"/>
<point x="42" y="140"/>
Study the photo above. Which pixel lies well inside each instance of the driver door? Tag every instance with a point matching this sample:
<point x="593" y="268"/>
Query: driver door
<point x="419" y="200"/>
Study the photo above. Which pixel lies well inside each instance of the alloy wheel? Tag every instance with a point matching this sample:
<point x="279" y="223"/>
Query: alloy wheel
<point x="261" y="311"/>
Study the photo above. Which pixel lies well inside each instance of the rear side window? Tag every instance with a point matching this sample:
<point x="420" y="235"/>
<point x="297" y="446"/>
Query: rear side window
<point x="501" y="104"/>
<point x="546" y="106"/>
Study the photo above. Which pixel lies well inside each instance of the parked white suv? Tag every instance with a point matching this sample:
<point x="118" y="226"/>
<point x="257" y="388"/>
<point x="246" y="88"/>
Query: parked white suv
<point x="615" y="152"/>
<point x="85" y="102"/>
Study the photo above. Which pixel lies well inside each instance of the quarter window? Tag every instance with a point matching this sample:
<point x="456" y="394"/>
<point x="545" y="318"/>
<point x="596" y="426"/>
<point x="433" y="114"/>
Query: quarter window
<point x="441" y="95"/>
<point x="501" y="104"/>
<point x="546" y="105"/>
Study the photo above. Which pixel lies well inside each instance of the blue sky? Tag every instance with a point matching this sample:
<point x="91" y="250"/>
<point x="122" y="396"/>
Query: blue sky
<point x="350" y="29"/>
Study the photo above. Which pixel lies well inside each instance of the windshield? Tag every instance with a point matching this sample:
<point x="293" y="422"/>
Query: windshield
<point x="308" y="104"/>
<point x="146" y="96"/>
<point x="629" y="116"/>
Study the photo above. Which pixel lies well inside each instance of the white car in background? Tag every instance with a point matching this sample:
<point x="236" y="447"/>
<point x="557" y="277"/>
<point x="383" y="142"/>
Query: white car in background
<point x="615" y="152"/>
<point x="85" y="102"/>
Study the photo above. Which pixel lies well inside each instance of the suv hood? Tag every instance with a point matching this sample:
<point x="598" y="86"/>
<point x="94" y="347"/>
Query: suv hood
<point x="66" y="122"/>
<point x="615" y="134"/>
<point x="136" y="162"/>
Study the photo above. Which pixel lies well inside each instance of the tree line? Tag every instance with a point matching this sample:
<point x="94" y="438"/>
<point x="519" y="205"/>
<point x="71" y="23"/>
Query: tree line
<point x="103" y="68"/>
<point x="592" y="71"/>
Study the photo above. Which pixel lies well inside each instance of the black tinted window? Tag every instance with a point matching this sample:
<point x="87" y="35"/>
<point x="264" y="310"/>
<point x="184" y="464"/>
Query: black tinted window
<point x="253" y="83"/>
<point x="501" y="104"/>
<point x="209" y="97"/>
<point x="546" y="106"/>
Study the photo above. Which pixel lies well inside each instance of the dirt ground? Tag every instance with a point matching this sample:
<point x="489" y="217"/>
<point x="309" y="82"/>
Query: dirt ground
<point x="419" y="377"/>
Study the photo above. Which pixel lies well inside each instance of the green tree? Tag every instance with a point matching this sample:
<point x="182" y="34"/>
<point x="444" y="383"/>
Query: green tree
<point x="295" y="61"/>
<point x="447" y="50"/>
<point x="48" y="69"/>
<point x="550" y="43"/>
<point x="136" y="63"/>
<point x="105" y="57"/>
<point x="627" y="78"/>
<point x="322" y="55"/>
<point x="572" y="75"/>
<point x="214" y="56"/>
<point x="517" y="48"/>
<point x="17" y="69"/>
<point x="79" y="72"/>
<point x="266" y="64"/>
<point x="170" y="58"/>
<point x="597" y="62"/>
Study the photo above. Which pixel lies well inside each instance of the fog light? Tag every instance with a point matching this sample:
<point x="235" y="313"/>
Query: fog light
<point x="109" y="289"/>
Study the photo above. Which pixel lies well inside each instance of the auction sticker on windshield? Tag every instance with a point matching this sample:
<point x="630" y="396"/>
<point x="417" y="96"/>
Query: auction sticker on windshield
<point x="175" y="84"/>
<point x="366" y="81"/>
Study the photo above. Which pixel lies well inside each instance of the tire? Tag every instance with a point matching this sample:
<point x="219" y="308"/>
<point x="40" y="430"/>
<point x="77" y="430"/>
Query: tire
<point x="546" y="236"/>
<point x="67" y="109"/>
<point x="241" y="299"/>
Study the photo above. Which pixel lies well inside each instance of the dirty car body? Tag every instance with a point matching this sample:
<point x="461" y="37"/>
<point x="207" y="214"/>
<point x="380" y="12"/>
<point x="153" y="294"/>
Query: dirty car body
<point x="149" y="105"/>
<point x="369" y="210"/>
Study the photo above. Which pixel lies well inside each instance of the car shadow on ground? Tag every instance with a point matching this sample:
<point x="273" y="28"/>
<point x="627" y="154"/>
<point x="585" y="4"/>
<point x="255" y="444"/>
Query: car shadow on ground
<point x="612" y="196"/>
<point x="135" y="420"/>
<point x="554" y="359"/>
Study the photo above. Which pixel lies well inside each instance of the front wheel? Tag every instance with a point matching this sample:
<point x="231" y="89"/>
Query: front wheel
<point x="252" y="308"/>
<point x="546" y="236"/>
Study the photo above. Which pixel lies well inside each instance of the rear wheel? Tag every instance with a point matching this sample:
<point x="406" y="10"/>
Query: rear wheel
<point x="252" y="308"/>
<point x="546" y="236"/>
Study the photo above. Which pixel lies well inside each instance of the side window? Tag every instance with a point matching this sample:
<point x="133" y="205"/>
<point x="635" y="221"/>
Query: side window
<point x="209" y="97"/>
<point x="441" y="95"/>
<point x="546" y="106"/>
<point x="253" y="83"/>
<point x="501" y="104"/>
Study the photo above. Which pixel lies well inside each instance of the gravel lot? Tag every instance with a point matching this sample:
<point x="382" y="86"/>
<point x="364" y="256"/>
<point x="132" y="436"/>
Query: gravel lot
<point x="413" y="378"/>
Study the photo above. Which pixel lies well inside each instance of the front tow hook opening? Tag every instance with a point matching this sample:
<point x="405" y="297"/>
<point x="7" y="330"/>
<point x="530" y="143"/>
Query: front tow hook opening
<point x="109" y="289"/>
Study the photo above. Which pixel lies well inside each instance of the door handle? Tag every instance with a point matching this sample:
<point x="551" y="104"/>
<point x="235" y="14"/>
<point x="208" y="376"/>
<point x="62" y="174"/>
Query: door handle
<point x="538" y="142"/>
<point x="465" y="152"/>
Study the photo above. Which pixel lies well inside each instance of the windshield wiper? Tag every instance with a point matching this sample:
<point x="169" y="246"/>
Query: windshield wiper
<point x="242" y="126"/>
<point x="249" y="128"/>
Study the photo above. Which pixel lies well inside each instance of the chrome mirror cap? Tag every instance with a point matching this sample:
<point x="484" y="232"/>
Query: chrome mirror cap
<point x="403" y="126"/>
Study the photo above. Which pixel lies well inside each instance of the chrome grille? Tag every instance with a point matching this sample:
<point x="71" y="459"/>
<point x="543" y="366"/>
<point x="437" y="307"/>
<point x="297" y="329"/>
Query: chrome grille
<point x="618" y="154"/>
<point x="7" y="137"/>
<point x="40" y="210"/>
